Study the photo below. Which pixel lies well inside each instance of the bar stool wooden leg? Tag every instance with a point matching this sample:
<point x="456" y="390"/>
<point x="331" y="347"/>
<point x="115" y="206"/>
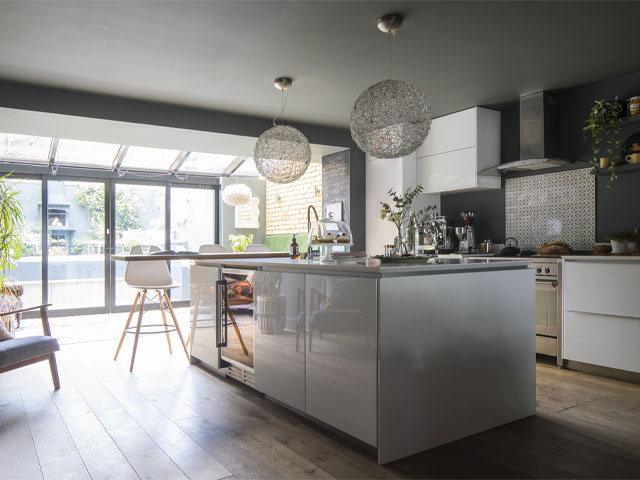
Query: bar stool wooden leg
<point x="135" y="340"/>
<point x="124" y="331"/>
<point x="175" y="321"/>
<point x="195" y="316"/>
<point x="164" y="319"/>
<point x="232" y="317"/>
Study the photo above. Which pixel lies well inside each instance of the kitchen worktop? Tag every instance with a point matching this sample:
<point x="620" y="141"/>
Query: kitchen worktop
<point x="599" y="258"/>
<point x="433" y="266"/>
<point x="196" y="256"/>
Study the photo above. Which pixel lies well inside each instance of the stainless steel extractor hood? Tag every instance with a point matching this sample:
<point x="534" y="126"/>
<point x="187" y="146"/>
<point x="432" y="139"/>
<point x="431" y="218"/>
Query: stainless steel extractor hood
<point x="539" y="134"/>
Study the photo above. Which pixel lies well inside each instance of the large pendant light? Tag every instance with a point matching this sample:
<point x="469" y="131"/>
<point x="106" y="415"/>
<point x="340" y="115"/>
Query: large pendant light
<point x="391" y="118"/>
<point x="282" y="153"/>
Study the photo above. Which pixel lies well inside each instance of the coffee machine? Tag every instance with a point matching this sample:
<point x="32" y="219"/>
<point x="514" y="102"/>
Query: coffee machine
<point x="441" y="232"/>
<point x="468" y="241"/>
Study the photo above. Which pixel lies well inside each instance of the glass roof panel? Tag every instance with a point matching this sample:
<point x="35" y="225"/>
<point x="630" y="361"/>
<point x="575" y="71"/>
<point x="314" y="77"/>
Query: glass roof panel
<point x="27" y="148"/>
<point x="86" y="154"/>
<point x="247" y="169"/>
<point x="198" y="162"/>
<point x="145" y="158"/>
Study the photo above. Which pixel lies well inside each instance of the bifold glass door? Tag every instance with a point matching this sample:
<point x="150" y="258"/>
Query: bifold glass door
<point x="76" y="244"/>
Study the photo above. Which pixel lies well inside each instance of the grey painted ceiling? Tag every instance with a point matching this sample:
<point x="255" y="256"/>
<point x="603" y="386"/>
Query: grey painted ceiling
<point x="224" y="55"/>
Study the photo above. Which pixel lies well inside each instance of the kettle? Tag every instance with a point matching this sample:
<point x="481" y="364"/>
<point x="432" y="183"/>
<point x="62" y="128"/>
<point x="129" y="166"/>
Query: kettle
<point x="511" y="248"/>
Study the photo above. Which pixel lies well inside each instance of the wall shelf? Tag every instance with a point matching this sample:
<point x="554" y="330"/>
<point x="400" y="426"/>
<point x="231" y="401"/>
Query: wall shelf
<point x="630" y="121"/>
<point x="621" y="169"/>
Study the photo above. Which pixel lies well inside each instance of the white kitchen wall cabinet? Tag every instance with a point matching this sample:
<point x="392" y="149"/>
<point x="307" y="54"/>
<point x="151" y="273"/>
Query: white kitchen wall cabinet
<point x="601" y="319"/>
<point x="460" y="151"/>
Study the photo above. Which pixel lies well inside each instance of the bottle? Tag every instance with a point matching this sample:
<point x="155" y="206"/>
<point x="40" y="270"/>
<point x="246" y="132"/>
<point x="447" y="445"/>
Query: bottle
<point x="294" y="253"/>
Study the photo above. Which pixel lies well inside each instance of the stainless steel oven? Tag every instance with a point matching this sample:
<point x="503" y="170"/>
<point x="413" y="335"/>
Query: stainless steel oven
<point x="548" y="307"/>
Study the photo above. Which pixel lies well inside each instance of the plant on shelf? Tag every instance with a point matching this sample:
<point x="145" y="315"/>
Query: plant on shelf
<point x="239" y="242"/>
<point x="619" y="241"/>
<point x="403" y="216"/>
<point x="602" y="134"/>
<point x="11" y="221"/>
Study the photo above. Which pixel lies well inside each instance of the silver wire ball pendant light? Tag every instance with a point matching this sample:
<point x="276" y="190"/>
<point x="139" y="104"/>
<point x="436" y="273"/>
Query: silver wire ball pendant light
<point x="282" y="154"/>
<point x="391" y="118"/>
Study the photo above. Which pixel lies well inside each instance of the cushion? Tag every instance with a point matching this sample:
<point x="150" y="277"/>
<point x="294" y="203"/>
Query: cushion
<point x="19" y="349"/>
<point x="4" y="333"/>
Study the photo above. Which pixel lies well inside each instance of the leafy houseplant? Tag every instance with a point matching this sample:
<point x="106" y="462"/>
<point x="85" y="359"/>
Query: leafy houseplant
<point x="11" y="221"/>
<point x="619" y="241"/>
<point x="403" y="215"/>
<point x="239" y="242"/>
<point x="601" y="133"/>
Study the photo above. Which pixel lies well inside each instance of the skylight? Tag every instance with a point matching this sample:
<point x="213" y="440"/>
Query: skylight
<point x="144" y="158"/>
<point x="208" y="163"/>
<point x="247" y="169"/>
<point x="24" y="148"/>
<point x="86" y="154"/>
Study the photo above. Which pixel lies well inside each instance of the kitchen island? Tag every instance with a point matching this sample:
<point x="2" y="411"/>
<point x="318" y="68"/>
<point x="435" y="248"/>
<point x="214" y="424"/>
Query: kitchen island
<point x="402" y="358"/>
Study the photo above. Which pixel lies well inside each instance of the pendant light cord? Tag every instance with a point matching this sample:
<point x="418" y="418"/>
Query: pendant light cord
<point x="390" y="50"/>
<point x="283" y="102"/>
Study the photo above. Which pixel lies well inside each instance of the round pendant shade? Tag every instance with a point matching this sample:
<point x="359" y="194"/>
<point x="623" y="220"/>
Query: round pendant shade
<point x="390" y="119"/>
<point x="282" y="154"/>
<point x="236" y="194"/>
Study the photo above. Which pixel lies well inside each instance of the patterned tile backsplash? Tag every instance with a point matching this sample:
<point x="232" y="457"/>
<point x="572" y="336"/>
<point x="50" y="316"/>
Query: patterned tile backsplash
<point x="557" y="206"/>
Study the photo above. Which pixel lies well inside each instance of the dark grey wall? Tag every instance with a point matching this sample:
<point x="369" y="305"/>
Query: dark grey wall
<point x="616" y="208"/>
<point x="68" y="102"/>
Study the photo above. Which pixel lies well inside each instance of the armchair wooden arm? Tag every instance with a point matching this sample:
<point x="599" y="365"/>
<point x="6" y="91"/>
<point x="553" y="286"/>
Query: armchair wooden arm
<point x="43" y="315"/>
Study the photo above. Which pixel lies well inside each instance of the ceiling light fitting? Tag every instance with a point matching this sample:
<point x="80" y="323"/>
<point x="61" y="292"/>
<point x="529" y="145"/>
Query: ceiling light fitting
<point x="236" y="194"/>
<point x="282" y="154"/>
<point x="391" y="118"/>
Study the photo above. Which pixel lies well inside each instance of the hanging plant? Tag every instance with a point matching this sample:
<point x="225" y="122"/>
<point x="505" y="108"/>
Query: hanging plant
<point x="602" y="134"/>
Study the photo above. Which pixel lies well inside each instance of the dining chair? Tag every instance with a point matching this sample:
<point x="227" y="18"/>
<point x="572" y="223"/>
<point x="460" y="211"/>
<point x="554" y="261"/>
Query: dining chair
<point x="257" y="247"/>
<point x="212" y="248"/>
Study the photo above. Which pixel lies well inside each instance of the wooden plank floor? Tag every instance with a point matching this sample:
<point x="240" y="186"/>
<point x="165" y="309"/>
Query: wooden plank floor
<point x="170" y="420"/>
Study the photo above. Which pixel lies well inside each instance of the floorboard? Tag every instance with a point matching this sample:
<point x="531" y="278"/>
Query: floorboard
<point x="169" y="420"/>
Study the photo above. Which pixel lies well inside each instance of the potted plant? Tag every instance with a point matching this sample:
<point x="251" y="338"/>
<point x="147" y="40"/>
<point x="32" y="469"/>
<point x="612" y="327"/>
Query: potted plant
<point x="601" y="133"/>
<point x="11" y="221"/>
<point x="619" y="241"/>
<point x="239" y="242"/>
<point x="403" y="216"/>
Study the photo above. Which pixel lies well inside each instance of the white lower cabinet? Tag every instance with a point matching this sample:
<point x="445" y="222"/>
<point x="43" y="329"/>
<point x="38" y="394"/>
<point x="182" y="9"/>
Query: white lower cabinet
<point x="601" y="318"/>
<point x="341" y="361"/>
<point x="280" y="337"/>
<point x="316" y="347"/>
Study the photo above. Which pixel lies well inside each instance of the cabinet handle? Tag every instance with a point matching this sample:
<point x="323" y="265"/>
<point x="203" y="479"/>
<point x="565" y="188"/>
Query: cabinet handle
<point x="221" y="313"/>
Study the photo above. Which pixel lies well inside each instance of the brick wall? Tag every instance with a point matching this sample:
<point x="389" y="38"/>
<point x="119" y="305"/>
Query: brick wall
<point x="286" y="205"/>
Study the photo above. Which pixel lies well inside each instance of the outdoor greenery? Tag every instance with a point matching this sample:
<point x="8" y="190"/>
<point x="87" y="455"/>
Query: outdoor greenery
<point x="11" y="221"/>
<point x="403" y="215"/>
<point x="239" y="242"/>
<point x="91" y="198"/>
<point x="602" y="134"/>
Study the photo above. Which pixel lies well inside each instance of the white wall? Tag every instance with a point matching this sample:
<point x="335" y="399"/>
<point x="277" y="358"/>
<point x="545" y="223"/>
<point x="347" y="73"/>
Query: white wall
<point x="382" y="175"/>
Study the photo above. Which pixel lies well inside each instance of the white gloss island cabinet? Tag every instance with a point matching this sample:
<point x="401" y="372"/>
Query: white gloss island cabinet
<point x="402" y="358"/>
<point x="321" y="360"/>
<point x="601" y="311"/>
<point x="460" y="151"/>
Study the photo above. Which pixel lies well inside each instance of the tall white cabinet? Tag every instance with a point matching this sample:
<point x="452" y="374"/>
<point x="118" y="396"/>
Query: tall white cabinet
<point x="460" y="152"/>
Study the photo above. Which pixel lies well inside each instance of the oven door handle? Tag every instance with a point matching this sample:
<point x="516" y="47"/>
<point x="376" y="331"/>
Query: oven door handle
<point x="547" y="285"/>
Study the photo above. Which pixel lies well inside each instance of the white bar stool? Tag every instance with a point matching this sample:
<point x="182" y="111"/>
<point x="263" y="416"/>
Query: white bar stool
<point x="145" y="275"/>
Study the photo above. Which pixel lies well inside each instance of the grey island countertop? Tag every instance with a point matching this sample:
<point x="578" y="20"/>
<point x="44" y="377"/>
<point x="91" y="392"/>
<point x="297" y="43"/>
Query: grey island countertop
<point x="343" y="267"/>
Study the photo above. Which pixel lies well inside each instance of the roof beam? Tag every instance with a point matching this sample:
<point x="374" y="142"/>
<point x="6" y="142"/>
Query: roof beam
<point x="179" y="161"/>
<point x="233" y="166"/>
